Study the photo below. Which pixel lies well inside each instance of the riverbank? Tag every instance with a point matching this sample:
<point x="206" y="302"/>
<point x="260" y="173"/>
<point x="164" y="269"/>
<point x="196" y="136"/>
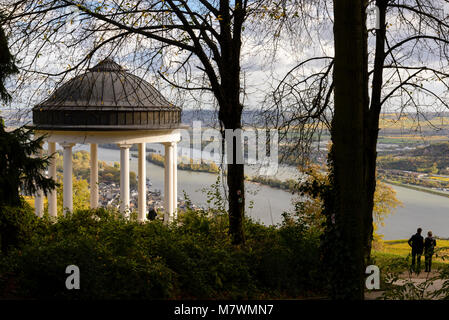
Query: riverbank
<point x="287" y="185"/>
<point x="113" y="146"/>
<point x="416" y="188"/>
<point x="208" y="167"/>
<point x="211" y="167"/>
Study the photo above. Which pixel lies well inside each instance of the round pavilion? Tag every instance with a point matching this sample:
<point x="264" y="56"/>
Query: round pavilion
<point x="109" y="105"/>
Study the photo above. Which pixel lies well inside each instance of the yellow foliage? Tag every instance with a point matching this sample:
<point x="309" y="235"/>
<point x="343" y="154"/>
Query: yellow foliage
<point x="385" y="201"/>
<point x="29" y="200"/>
<point x="81" y="194"/>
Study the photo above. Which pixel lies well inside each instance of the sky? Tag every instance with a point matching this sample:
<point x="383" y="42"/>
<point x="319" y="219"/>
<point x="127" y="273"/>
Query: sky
<point x="263" y="66"/>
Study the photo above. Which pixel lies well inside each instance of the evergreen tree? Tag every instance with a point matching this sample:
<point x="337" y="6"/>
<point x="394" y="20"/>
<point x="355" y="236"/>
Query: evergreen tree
<point x="7" y="63"/>
<point x="20" y="170"/>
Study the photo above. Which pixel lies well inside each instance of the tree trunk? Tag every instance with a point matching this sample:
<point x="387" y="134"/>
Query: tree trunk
<point x="230" y="113"/>
<point x="235" y="173"/>
<point x="345" y="253"/>
<point x="236" y="187"/>
<point x="372" y="127"/>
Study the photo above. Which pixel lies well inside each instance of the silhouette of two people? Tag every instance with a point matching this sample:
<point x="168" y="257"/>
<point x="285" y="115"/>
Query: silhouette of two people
<point x="419" y="245"/>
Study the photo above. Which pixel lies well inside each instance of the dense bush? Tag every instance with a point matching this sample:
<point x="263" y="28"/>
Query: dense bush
<point x="190" y="258"/>
<point x="17" y="225"/>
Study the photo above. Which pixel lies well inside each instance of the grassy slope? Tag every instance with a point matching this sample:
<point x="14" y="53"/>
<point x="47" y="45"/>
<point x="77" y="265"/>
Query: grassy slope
<point x="393" y="249"/>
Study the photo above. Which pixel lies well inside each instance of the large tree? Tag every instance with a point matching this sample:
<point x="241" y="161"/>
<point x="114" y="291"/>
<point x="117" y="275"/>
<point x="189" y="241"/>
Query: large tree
<point x="407" y="58"/>
<point x="345" y="201"/>
<point x="410" y="73"/>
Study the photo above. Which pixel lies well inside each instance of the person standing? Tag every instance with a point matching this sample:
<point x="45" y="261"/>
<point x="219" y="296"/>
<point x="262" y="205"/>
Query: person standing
<point x="429" y="245"/>
<point x="152" y="214"/>
<point x="417" y="243"/>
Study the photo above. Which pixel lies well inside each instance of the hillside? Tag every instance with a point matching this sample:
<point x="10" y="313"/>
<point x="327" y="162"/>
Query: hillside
<point x="433" y="158"/>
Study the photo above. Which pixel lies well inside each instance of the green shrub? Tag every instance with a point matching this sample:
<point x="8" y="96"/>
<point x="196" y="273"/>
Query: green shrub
<point x="103" y="275"/>
<point x="190" y="258"/>
<point x="286" y="258"/>
<point x="17" y="225"/>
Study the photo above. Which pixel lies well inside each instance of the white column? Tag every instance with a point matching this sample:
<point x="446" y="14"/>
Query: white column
<point x="93" y="175"/>
<point x="39" y="197"/>
<point x="124" y="177"/>
<point x="67" y="177"/>
<point x="142" y="176"/>
<point x="52" y="196"/>
<point x="175" y="179"/>
<point x="168" y="182"/>
<point x="39" y="203"/>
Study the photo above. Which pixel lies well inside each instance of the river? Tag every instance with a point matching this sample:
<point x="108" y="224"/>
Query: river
<point x="420" y="209"/>
<point x="269" y="203"/>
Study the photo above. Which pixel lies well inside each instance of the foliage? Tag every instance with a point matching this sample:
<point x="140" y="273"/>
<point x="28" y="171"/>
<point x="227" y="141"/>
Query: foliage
<point x="20" y="169"/>
<point x="16" y="225"/>
<point x="332" y="245"/>
<point x="7" y="62"/>
<point x="310" y="204"/>
<point x="385" y="203"/>
<point x="81" y="194"/>
<point x="190" y="258"/>
<point x="214" y="199"/>
<point x="309" y="207"/>
<point x="398" y="283"/>
<point x="288" y="184"/>
<point x="443" y="292"/>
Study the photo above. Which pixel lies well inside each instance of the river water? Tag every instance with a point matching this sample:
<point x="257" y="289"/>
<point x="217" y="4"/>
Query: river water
<point x="420" y="209"/>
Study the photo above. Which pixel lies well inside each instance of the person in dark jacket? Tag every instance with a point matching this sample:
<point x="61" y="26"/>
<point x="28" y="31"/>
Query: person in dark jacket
<point x="429" y="245"/>
<point x="152" y="214"/>
<point x="417" y="244"/>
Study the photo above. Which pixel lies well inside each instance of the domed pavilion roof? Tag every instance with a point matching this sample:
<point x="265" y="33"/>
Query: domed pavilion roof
<point x="106" y="97"/>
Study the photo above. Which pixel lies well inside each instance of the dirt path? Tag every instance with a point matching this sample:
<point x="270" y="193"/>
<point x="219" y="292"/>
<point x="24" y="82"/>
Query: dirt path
<point x="416" y="280"/>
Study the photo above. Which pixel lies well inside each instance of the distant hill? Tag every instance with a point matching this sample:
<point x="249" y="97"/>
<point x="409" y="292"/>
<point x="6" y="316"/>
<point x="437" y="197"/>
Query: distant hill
<point x="16" y="117"/>
<point x="210" y="117"/>
<point x="433" y="158"/>
<point x="435" y="151"/>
